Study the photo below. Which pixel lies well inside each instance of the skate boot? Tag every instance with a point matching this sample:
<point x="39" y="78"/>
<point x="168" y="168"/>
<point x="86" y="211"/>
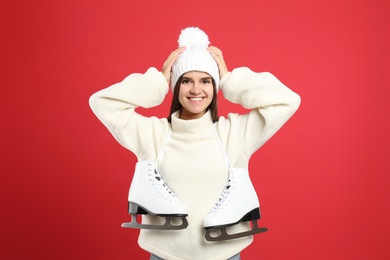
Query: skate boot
<point x="238" y="202"/>
<point x="149" y="194"/>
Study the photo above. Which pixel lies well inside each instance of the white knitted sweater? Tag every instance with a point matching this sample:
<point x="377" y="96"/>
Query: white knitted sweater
<point x="193" y="164"/>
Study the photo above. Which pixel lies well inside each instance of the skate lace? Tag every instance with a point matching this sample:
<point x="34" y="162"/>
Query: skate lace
<point x="160" y="185"/>
<point x="227" y="192"/>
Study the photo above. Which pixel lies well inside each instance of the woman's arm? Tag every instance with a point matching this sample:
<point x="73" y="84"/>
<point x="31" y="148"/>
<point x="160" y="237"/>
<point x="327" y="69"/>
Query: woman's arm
<point x="272" y="104"/>
<point x="115" y="107"/>
<point x="137" y="90"/>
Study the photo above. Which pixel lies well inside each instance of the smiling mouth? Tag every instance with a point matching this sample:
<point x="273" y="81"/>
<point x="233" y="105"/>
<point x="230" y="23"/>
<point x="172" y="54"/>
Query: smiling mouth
<point x="196" y="99"/>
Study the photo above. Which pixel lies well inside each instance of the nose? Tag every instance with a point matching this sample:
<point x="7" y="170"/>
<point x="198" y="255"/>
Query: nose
<point x="196" y="88"/>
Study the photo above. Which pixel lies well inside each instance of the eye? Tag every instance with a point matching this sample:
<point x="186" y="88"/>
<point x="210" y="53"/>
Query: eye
<point x="206" y="81"/>
<point x="185" y="81"/>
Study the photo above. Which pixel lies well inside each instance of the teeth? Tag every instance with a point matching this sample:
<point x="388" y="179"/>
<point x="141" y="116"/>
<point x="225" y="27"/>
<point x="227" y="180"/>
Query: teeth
<point x="196" y="99"/>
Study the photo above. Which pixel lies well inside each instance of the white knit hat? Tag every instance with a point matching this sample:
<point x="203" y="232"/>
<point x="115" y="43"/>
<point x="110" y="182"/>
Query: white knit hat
<point x="195" y="57"/>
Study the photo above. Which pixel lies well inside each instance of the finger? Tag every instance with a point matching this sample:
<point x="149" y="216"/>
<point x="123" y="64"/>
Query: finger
<point x="167" y="66"/>
<point x="173" y="56"/>
<point x="215" y="50"/>
<point x="214" y="47"/>
<point x="218" y="57"/>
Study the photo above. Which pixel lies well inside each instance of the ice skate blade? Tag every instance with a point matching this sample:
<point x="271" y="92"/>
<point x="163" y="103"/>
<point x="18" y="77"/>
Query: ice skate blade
<point x="166" y="226"/>
<point x="225" y="236"/>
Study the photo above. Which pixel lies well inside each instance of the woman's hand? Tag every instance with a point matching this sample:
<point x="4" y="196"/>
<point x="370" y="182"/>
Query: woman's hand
<point x="218" y="57"/>
<point x="167" y="67"/>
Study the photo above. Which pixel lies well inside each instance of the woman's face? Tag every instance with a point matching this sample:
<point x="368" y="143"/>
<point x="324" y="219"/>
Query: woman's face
<point x="195" y="94"/>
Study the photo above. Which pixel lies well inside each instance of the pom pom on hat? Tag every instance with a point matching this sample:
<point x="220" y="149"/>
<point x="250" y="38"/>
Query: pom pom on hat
<point x="193" y="37"/>
<point x="195" y="57"/>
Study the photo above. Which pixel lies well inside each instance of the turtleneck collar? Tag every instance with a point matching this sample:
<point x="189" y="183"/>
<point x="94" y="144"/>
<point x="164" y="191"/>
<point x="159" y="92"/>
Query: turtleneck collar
<point x="191" y="126"/>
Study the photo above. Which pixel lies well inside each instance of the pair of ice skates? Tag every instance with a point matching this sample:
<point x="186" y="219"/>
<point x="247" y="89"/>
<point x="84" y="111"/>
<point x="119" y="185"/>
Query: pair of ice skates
<point x="149" y="194"/>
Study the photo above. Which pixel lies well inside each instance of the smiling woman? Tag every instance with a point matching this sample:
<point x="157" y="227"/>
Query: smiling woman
<point x="194" y="150"/>
<point x="196" y="93"/>
<point x="201" y="87"/>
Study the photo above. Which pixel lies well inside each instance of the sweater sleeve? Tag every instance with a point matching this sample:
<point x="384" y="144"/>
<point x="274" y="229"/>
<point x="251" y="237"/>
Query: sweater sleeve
<point x="270" y="101"/>
<point x="115" y="108"/>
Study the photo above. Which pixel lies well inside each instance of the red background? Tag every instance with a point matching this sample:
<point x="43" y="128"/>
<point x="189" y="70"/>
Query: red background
<point x="323" y="180"/>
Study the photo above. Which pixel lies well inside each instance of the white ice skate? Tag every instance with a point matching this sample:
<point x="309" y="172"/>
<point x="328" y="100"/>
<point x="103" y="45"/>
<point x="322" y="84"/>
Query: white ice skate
<point x="149" y="194"/>
<point x="238" y="202"/>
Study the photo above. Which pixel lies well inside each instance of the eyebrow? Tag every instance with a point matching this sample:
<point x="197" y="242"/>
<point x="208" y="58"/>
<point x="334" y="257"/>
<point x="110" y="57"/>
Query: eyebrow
<point x="200" y="78"/>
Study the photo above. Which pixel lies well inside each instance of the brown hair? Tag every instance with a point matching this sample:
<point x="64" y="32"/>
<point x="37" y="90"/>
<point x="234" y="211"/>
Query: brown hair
<point x="175" y="105"/>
